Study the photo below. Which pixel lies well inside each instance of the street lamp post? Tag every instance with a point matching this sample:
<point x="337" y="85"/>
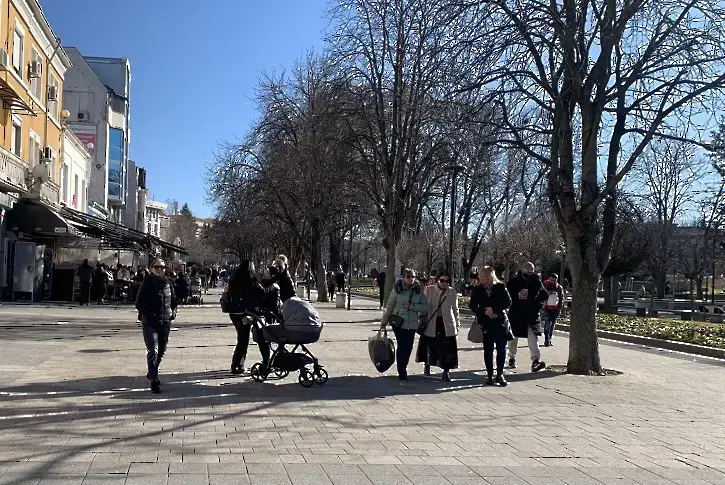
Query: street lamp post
<point x="349" y="259"/>
<point x="454" y="170"/>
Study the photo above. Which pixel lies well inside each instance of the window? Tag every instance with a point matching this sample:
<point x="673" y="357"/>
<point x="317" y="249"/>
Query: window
<point x="116" y="157"/>
<point x="75" y="191"/>
<point x="17" y="137"/>
<point x="34" y="147"/>
<point x="82" y="196"/>
<point x="64" y="182"/>
<point x="53" y="105"/>
<point x="53" y="159"/>
<point x="18" y="49"/>
<point x="36" y="83"/>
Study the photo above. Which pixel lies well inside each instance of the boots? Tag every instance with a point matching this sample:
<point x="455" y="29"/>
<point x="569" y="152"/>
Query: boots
<point x="426" y="369"/>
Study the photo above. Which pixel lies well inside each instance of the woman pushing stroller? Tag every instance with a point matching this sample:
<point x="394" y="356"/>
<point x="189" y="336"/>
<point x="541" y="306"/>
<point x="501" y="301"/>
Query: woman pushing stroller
<point x="244" y="295"/>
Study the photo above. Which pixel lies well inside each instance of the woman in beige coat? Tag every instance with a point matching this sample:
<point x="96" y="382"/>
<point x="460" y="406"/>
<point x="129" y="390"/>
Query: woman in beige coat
<point x="438" y="345"/>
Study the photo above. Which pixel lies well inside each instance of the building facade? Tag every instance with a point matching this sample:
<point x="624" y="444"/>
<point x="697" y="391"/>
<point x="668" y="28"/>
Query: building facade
<point x="97" y="96"/>
<point x="155" y="213"/>
<point x="74" y="172"/>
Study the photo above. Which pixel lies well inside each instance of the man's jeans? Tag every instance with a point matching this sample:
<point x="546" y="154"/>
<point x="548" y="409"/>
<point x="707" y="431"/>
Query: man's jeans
<point x="550" y="323"/>
<point x="405" y="339"/>
<point x="533" y="346"/>
<point x="156" y="339"/>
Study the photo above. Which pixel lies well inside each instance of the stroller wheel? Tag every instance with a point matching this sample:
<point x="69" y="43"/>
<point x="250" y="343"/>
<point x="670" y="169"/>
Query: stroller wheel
<point x="281" y="373"/>
<point x="321" y="376"/>
<point x="258" y="372"/>
<point x="306" y="378"/>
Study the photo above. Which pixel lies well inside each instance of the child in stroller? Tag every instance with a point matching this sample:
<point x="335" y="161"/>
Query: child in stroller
<point x="300" y="326"/>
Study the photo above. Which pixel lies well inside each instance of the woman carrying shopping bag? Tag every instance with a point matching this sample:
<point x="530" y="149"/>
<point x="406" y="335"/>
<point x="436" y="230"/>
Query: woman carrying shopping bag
<point x="404" y="304"/>
<point x="489" y="301"/>
<point x="437" y="345"/>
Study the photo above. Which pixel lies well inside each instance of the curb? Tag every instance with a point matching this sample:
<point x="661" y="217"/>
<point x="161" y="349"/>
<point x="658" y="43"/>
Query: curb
<point x="695" y="349"/>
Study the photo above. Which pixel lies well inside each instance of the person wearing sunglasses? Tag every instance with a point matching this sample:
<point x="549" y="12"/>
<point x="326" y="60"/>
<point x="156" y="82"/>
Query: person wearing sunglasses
<point x="489" y="301"/>
<point x="156" y="303"/>
<point x="404" y="304"/>
<point x="438" y="345"/>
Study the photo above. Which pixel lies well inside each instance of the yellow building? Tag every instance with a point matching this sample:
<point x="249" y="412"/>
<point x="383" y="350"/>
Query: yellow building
<point x="32" y="68"/>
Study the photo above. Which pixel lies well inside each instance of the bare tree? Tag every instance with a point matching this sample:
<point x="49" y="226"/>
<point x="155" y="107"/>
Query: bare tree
<point x="670" y="175"/>
<point x="581" y="83"/>
<point x="397" y="54"/>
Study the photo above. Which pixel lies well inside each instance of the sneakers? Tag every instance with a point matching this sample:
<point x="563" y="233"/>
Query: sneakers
<point x="512" y="364"/>
<point x="537" y="365"/>
<point x="446" y="376"/>
<point x="501" y="381"/>
<point x="236" y="370"/>
<point x="490" y="381"/>
<point x="156" y="386"/>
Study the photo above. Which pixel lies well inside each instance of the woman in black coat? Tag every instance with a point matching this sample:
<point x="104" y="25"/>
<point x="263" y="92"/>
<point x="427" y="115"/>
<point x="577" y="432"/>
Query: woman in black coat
<point x="489" y="301"/>
<point x="247" y="295"/>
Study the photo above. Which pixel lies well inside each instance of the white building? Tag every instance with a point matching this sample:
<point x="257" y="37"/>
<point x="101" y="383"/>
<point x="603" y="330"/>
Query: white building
<point x="155" y="213"/>
<point x="75" y="172"/>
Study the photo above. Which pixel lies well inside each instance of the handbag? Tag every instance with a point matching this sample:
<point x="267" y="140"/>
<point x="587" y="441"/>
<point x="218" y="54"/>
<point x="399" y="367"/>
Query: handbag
<point x="475" y="333"/>
<point x="382" y="350"/>
<point x="396" y="321"/>
<point x="422" y="327"/>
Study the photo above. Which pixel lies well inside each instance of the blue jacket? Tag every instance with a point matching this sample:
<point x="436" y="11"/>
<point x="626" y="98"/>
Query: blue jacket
<point x="400" y="297"/>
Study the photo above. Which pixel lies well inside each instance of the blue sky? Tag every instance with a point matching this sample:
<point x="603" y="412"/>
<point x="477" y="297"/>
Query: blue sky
<point x="194" y="67"/>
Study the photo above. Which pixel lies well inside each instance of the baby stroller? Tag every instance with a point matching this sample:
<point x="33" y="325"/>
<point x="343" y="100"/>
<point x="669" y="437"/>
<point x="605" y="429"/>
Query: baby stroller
<point x="195" y="296"/>
<point x="300" y="326"/>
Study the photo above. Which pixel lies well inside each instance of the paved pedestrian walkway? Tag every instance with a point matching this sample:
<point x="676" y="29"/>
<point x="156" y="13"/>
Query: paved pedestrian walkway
<point x="76" y="409"/>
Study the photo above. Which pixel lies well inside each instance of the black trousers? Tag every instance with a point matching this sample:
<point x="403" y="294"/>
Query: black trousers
<point x="382" y="295"/>
<point x="240" y="351"/>
<point x="156" y="340"/>
<point x="331" y="291"/>
<point x="488" y="346"/>
<point x="406" y="339"/>
<point x="85" y="297"/>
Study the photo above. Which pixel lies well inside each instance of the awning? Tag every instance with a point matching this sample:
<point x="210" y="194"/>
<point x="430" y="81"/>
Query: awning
<point x="13" y="101"/>
<point x="116" y="236"/>
<point x="35" y="218"/>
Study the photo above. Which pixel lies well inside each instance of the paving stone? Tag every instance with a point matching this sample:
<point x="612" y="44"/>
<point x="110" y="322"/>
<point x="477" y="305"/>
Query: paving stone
<point x="101" y="421"/>
<point x="269" y="479"/>
<point x="189" y="479"/>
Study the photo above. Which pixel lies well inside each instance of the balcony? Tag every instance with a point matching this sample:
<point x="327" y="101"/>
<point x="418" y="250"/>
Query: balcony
<point x="50" y="193"/>
<point x="12" y="173"/>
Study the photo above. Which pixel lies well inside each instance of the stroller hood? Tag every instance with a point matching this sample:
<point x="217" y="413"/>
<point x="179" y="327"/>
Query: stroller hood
<point x="300" y="316"/>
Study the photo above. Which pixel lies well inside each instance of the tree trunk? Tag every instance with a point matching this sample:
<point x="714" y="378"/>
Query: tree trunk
<point x="318" y="267"/>
<point x="610" y="294"/>
<point x="661" y="283"/>
<point x="390" y="271"/>
<point x="698" y="287"/>
<point x="583" y="340"/>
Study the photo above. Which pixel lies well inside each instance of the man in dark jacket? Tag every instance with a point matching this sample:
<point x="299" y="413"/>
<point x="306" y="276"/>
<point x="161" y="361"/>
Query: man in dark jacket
<point x="380" y="282"/>
<point x="85" y="274"/>
<point x="528" y="297"/>
<point x="156" y="302"/>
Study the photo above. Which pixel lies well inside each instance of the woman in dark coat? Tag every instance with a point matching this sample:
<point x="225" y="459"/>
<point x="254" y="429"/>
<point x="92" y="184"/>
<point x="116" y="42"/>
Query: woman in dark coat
<point x="99" y="284"/>
<point x="247" y="295"/>
<point x="489" y="301"/>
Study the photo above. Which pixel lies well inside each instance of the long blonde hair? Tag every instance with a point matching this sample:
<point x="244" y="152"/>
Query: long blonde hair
<point x="489" y="271"/>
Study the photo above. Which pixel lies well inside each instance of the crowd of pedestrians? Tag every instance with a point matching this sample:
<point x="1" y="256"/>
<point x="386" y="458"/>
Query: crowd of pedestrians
<point x="505" y="313"/>
<point x="430" y="308"/>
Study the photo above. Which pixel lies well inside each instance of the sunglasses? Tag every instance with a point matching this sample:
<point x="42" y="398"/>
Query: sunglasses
<point x="159" y="267"/>
<point x="443" y="280"/>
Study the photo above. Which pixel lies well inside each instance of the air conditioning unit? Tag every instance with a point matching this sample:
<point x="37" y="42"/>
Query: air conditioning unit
<point x="47" y="153"/>
<point x="52" y="93"/>
<point x="36" y="69"/>
<point x="83" y="116"/>
<point x="41" y="172"/>
<point x="4" y="60"/>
